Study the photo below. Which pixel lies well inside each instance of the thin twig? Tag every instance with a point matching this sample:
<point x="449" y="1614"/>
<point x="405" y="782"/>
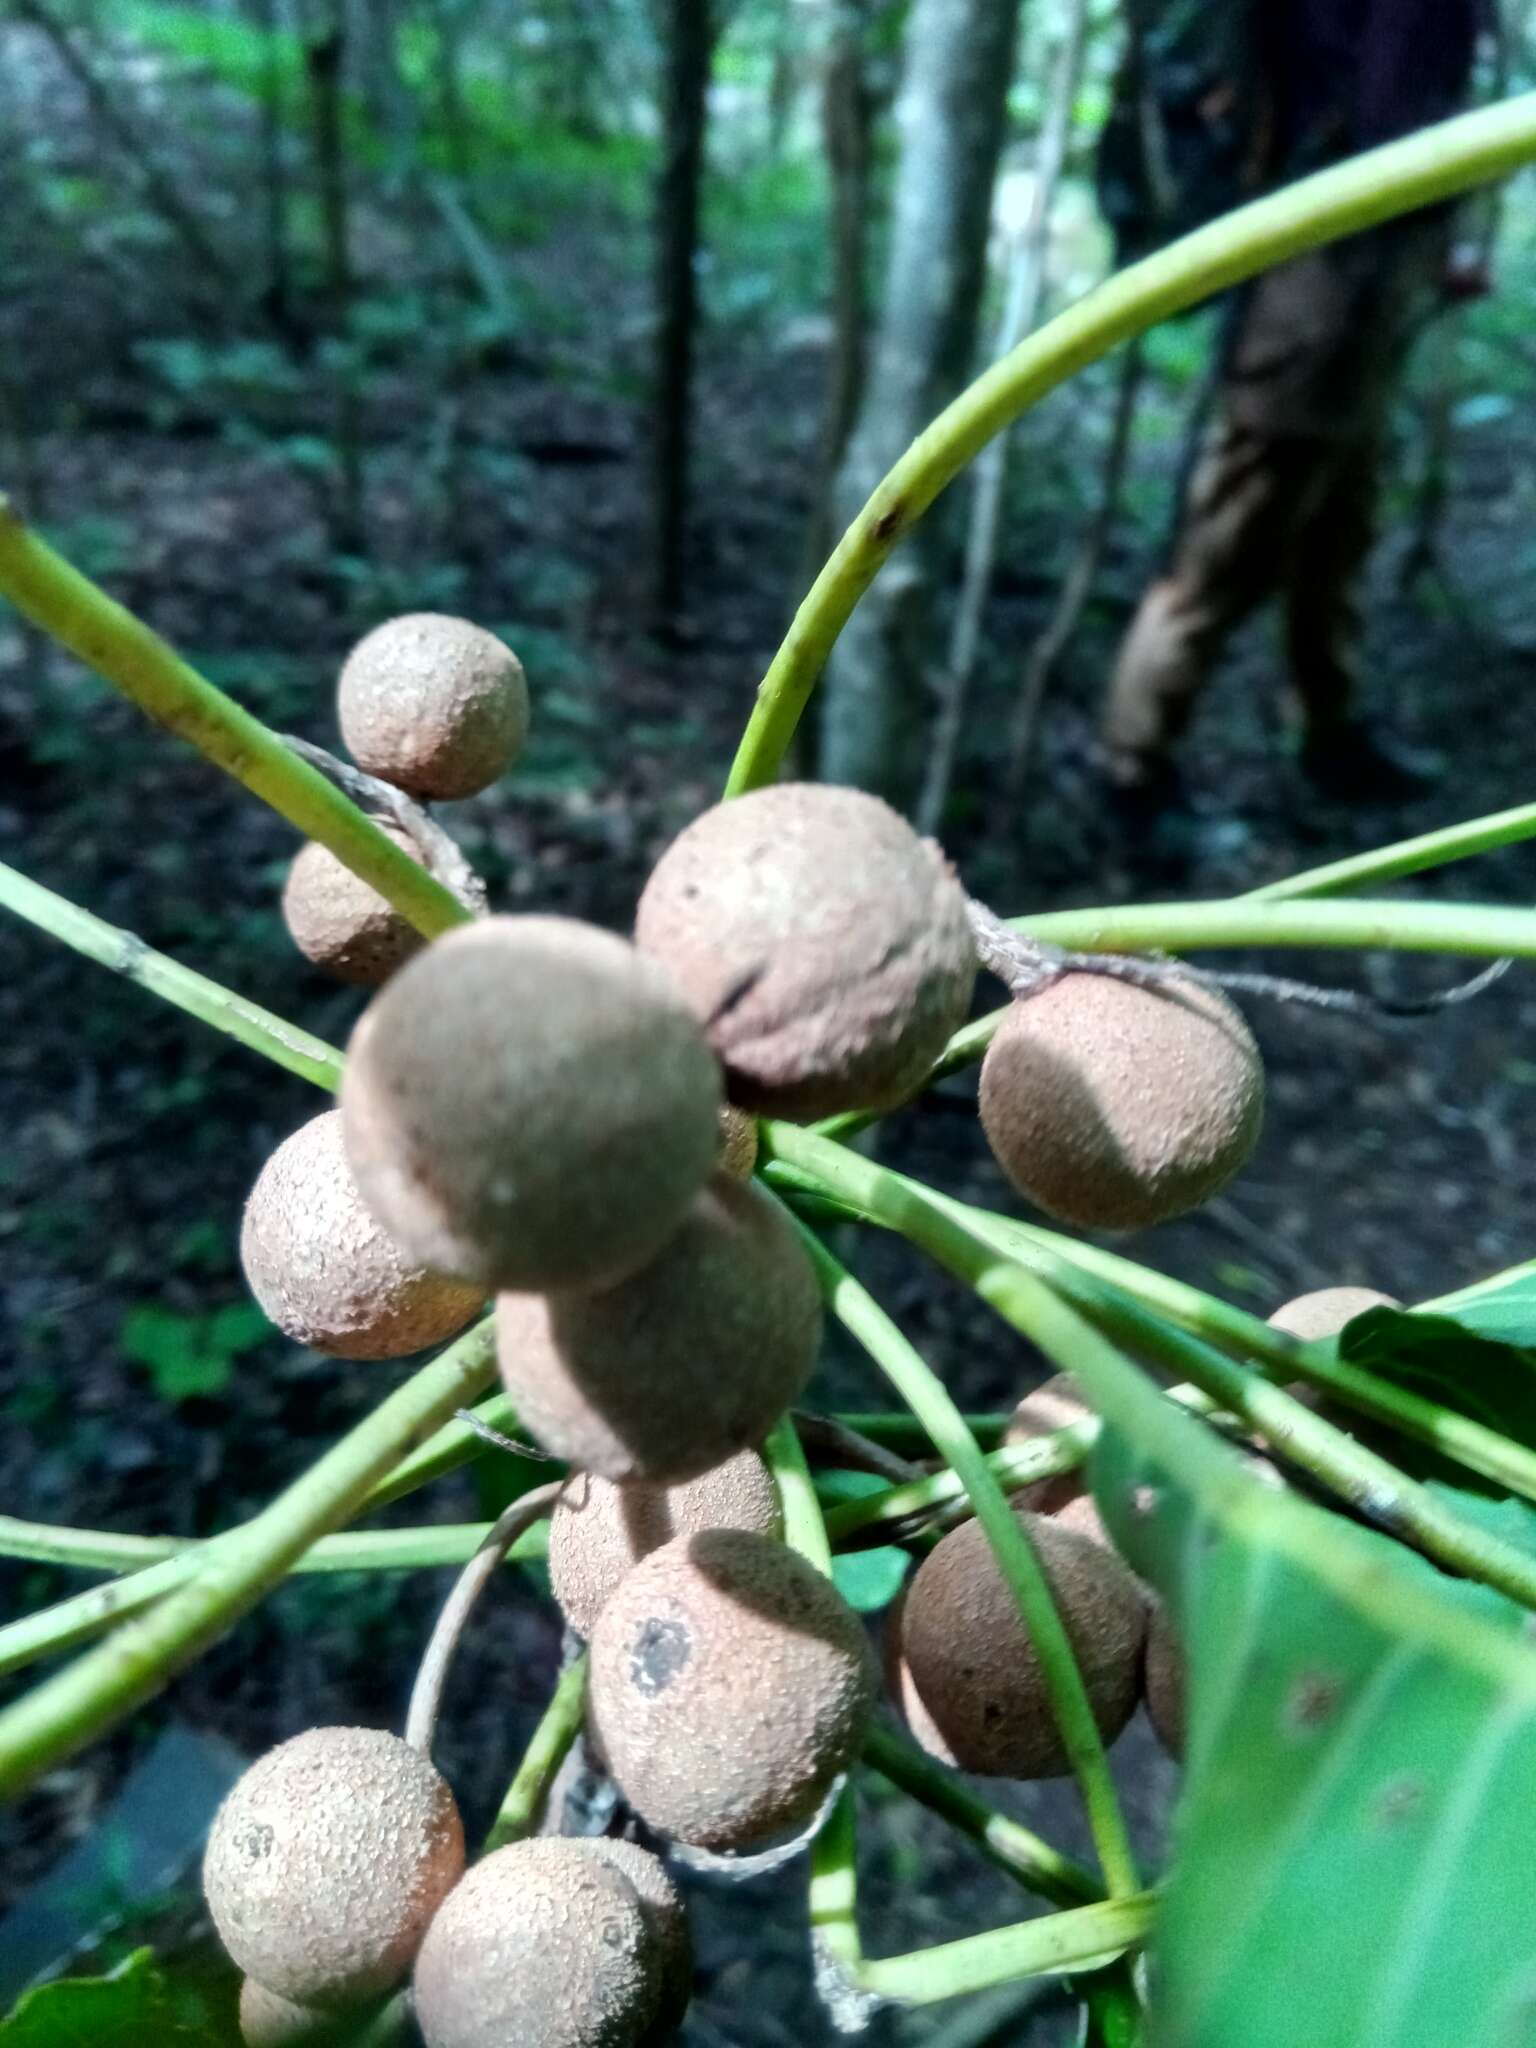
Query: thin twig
<point x="441" y="855"/>
<point x="830" y="1441"/>
<point x="432" y="1672"/>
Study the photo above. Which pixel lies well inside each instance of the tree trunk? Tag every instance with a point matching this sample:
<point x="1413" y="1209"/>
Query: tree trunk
<point x="324" y="49"/>
<point x="847" y="114"/>
<point x="689" y="44"/>
<point x="1025" y="298"/>
<point x="451" y="108"/>
<point x="278" y="296"/>
<point x="957" y="64"/>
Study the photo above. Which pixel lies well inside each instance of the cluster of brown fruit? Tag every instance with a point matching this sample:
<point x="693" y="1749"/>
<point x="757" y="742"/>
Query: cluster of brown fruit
<point x="539" y="1111"/>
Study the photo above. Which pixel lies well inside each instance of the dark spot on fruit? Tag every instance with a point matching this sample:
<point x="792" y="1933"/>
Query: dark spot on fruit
<point x="661" y="1650"/>
<point x="257" y="1843"/>
<point x="1313" y="1700"/>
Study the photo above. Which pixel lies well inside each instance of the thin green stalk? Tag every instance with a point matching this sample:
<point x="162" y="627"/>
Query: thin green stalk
<point x="1483" y="929"/>
<point x="452" y="1447"/>
<point x="124" y="652"/>
<point x="1018" y="1465"/>
<point x="68" y="1623"/>
<point x="1433" y="165"/>
<point x="139" y="1659"/>
<point x="1005" y="1843"/>
<point x="551" y="1744"/>
<point x="126" y="954"/>
<point x="1425" y="850"/>
<point x="1347" y="1468"/>
<point x="804" y="1529"/>
<point x="927" y="1397"/>
<point x="1075" y="1940"/>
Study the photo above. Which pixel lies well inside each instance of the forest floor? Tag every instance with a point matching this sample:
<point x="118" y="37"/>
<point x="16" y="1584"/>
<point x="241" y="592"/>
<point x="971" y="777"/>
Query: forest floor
<point x="1395" y="1155"/>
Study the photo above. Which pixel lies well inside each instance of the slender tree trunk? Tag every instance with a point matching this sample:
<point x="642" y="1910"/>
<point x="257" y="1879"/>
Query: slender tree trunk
<point x="957" y="64"/>
<point x="324" y="54"/>
<point x="161" y="193"/>
<point x="266" y="15"/>
<point x="1084" y="572"/>
<point x="1027" y="264"/>
<point x="847" y="112"/>
<point x="452" y="110"/>
<point x="689" y="44"/>
<point x="781" y="79"/>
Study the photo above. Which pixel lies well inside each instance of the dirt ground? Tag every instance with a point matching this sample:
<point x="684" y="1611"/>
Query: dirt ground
<point x="1395" y="1155"/>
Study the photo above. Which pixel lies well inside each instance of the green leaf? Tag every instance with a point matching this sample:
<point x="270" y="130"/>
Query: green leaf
<point x="134" y="2006"/>
<point x="1448" y="1360"/>
<point x="1355" y="1864"/>
<point x="188" y="1357"/>
<point x="869" y="1579"/>
<point x="1503" y="1307"/>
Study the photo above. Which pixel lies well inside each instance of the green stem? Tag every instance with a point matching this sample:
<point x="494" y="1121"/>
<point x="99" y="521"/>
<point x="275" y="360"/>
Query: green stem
<point x="905" y="1432"/>
<point x="68" y="1623"/>
<point x="1430" y="166"/>
<point x="124" y="652"/>
<point x="1016" y="1466"/>
<point x="551" y="1744"/>
<point x="1357" y="1475"/>
<point x="1435" y="849"/>
<point x="804" y="1529"/>
<point x="126" y="954"/>
<point x="450" y="1448"/>
<point x="1004" y="1842"/>
<point x="1059" y="1941"/>
<point x="927" y="1397"/>
<point x="1483" y="929"/>
<point x="138" y="1660"/>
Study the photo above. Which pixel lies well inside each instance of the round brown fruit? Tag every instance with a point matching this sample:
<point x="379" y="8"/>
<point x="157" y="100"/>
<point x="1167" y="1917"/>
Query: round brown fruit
<point x="545" y="1944"/>
<point x="326" y="1862"/>
<point x="975" y="1669"/>
<point x="1325" y="1311"/>
<point x="529" y="1103"/>
<point x="1164" y="1680"/>
<point x="730" y="1685"/>
<point x="1112" y="1107"/>
<point x="342" y="925"/>
<point x="686" y="1362"/>
<point x="663" y="1911"/>
<point x="823" y="944"/>
<point x="1055" y="1404"/>
<point x="325" y="1272"/>
<point x="433" y="704"/>
<point x="738" y="1143"/>
<point x="267" y="2021"/>
<point x="600" y="1531"/>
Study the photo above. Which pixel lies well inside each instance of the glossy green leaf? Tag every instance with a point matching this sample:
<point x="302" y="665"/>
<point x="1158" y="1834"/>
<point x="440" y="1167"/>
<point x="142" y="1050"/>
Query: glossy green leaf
<point x="1446" y="1359"/>
<point x="134" y="2006"/>
<point x="1355" y="1864"/>
<point x="1503" y="1306"/>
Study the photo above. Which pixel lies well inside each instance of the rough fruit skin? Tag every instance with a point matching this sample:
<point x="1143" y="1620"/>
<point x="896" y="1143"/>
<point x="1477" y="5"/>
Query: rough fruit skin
<point x="730" y="1685"/>
<point x="1164" y="1682"/>
<point x="326" y="1862"/>
<point x="689" y="1360"/>
<point x="1113" y="1107"/>
<point x="1324" y="1312"/>
<point x="662" y="1908"/>
<point x="600" y="1531"/>
<point x="973" y="1665"/>
<point x="738" y="1143"/>
<point x="544" y="1944"/>
<point x="267" y="2021"/>
<point x="529" y="1103"/>
<point x="325" y="1271"/>
<point x="824" y="946"/>
<point x="433" y="704"/>
<point x="341" y="925"/>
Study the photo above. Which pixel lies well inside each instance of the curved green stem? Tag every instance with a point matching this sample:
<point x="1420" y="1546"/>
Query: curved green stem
<point x="124" y="652"/>
<point x="927" y="1397"/>
<point x="1433" y="165"/>
<point x="1347" y="1468"/>
<point x="1075" y="1940"/>
<point x="1414" y="856"/>
<point x="1018" y="1465"/>
<point x="140" y="1658"/>
<point x="551" y="1744"/>
<point x="804" y="1528"/>
<point x="1005" y="1843"/>
<point x="126" y="954"/>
